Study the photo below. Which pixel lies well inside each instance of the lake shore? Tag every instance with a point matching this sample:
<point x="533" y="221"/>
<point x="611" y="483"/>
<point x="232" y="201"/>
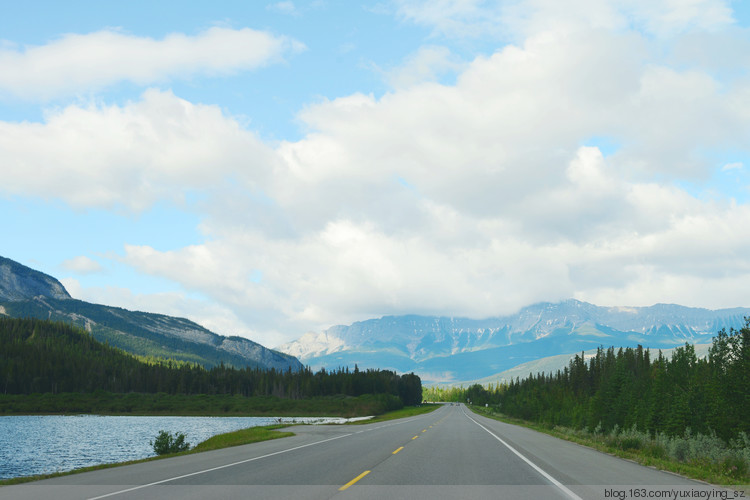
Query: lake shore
<point x="233" y="438"/>
<point x="216" y="405"/>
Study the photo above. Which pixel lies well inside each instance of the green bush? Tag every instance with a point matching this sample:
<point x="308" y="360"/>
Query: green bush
<point x="166" y="443"/>
<point x="734" y="466"/>
<point x="654" y="450"/>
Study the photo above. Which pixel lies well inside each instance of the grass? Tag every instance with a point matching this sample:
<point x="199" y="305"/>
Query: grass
<point x="240" y="437"/>
<point x="405" y="412"/>
<point x="705" y="458"/>
<point x="236" y="438"/>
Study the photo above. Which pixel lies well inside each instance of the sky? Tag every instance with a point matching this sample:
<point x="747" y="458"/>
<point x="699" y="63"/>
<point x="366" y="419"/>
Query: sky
<point x="268" y="169"/>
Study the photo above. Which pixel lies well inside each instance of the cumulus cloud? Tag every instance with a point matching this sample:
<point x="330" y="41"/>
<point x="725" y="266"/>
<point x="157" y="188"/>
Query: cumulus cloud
<point x="159" y="147"/>
<point x="474" y="198"/>
<point x="429" y="63"/>
<point x="82" y="265"/>
<point x="81" y="63"/>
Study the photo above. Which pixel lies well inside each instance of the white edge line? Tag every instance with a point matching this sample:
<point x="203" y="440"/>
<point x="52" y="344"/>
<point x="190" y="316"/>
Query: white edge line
<point x="216" y="468"/>
<point x="532" y="464"/>
<point x="401" y="421"/>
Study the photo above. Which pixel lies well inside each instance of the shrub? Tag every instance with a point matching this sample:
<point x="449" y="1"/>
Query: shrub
<point x="734" y="466"/>
<point x="679" y="449"/>
<point x="655" y="450"/>
<point x="630" y="443"/>
<point x="742" y="445"/>
<point x="166" y="443"/>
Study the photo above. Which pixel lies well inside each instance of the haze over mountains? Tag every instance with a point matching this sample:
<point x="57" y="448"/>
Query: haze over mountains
<point x="25" y="292"/>
<point x="439" y="349"/>
<point x="442" y="349"/>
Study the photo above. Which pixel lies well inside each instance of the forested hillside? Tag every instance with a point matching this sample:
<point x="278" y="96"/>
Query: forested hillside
<point x="632" y="387"/>
<point x="27" y="293"/>
<point x="149" y="334"/>
<point x="38" y="356"/>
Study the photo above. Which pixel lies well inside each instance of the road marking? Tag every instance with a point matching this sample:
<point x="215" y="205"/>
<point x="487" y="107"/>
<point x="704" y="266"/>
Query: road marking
<point x="400" y="448"/>
<point x="217" y="468"/>
<point x="532" y="464"/>
<point x="399" y="422"/>
<point x="354" y="480"/>
<point x="415" y="437"/>
<point x="424" y="430"/>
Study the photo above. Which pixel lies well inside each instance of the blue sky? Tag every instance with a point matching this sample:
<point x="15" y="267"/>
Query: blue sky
<point x="273" y="168"/>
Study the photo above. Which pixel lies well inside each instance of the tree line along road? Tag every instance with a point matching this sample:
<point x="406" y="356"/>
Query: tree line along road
<point x="449" y="453"/>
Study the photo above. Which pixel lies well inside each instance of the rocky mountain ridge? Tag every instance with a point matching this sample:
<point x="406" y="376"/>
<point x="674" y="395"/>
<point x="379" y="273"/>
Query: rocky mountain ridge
<point x="25" y="292"/>
<point x="442" y="349"/>
<point x="18" y="282"/>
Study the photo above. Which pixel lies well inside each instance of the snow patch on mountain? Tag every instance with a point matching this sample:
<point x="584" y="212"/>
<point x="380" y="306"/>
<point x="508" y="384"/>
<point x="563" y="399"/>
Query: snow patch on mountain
<point x="467" y="349"/>
<point x="314" y="344"/>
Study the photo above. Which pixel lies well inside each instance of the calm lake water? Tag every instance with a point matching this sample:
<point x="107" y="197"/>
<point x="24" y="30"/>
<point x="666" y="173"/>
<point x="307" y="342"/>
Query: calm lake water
<point x="32" y="445"/>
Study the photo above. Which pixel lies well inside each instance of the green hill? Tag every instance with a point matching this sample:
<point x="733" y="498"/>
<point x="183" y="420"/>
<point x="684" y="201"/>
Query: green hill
<point x="51" y="358"/>
<point x="26" y="293"/>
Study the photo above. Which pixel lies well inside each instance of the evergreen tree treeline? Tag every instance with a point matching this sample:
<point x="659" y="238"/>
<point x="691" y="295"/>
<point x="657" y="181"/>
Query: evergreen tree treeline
<point x="628" y="387"/>
<point x="38" y="356"/>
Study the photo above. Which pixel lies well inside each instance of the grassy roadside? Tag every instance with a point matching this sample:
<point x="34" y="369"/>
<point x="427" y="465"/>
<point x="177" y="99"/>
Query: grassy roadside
<point x="236" y="438"/>
<point x="644" y="453"/>
<point x="405" y="412"/>
<point x="240" y="437"/>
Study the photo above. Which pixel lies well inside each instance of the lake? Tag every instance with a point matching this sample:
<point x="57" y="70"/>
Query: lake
<point x="31" y="445"/>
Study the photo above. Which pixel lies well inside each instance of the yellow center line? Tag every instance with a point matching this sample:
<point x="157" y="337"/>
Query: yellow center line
<point x="354" y="480"/>
<point x="400" y="448"/>
<point x="424" y="430"/>
<point x="415" y="437"/>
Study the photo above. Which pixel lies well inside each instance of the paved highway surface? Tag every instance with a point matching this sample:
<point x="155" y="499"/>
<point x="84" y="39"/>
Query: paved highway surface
<point x="449" y="453"/>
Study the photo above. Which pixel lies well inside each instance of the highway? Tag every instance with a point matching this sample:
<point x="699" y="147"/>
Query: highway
<point x="449" y="453"/>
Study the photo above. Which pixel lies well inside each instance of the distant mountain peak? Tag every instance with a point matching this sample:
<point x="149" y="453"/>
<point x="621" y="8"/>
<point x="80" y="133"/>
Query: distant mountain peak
<point x="18" y="282"/>
<point x="467" y="349"/>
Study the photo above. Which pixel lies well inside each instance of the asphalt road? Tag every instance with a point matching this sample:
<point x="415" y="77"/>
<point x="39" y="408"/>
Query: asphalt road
<point x="449" y="453"/>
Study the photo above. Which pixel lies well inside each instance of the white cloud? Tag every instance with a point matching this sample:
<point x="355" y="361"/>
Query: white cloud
<point x="128" y="157"/>
<point x="80" y="63"/>
<point x="472" y="199"/>
<point x="211" y="315"/>
<point x="669" y="17"/>
<point x="519" y="19"/>
<point x="82" y="265"/>
<point x="504" y="207"/>
<point x="287" y="8"/>
<point x="429" y="63"/>
<point x="463" y="18"/>
<point x="732" y="166"/>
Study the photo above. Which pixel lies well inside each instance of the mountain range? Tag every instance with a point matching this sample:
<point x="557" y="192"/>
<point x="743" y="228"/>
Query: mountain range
<point x="27" y="293"/>
<point x="439" y="349"/>
<point x="449" y="350"/>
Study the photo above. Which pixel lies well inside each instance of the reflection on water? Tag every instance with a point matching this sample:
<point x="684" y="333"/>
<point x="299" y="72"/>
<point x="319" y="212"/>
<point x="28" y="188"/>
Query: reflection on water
<point x="31" y="445"/>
